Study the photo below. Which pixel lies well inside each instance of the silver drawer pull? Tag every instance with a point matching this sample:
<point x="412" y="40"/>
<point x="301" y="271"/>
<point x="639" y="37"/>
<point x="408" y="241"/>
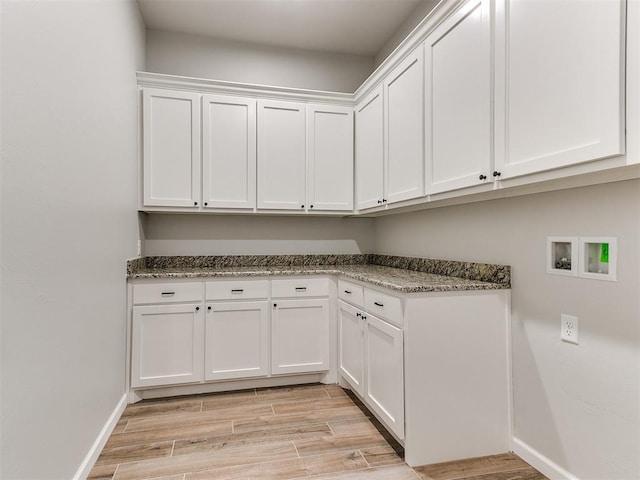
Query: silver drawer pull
<point x="168" y="294"/>
<point x="301" y="289"/>
<point x="347" y="292"/>
<point x="378" y="304"/>
<point x="237" y="290"/>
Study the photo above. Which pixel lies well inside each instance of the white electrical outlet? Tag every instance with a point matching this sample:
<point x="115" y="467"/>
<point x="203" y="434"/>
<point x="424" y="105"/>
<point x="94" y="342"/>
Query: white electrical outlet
<point x="569" y="328"/>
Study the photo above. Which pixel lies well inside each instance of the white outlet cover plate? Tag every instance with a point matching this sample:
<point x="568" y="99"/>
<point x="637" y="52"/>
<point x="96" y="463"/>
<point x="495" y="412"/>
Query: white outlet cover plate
<point x="569" y="328"/>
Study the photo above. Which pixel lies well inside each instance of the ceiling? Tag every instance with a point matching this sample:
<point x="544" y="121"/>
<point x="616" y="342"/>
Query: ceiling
<point x="360" y="27"/>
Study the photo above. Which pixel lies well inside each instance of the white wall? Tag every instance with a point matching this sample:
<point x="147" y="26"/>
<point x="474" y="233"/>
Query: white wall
<point x="577" y="405"/>
<point x="204" y="57"/>
<point x="255" y="235"/>
<point x="68" y="223"/>
<point x="1" y="150"/>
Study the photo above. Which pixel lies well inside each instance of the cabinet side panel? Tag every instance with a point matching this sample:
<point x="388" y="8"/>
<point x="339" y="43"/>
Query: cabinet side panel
<point x="469" y="398"/>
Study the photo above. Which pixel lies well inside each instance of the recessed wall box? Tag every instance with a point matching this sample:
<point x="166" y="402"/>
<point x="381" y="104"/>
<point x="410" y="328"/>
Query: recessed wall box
<point x="598" y="258"/>
<point x="562" y="256"/>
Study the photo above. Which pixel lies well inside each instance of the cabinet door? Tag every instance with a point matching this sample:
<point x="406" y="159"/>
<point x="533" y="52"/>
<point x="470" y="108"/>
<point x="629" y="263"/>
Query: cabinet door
<point x="228" y="152"/>
<point x="384" y="364"/>
<point x="236" y="340"/>
<point x="404" y="129"/>
<point x="329" y="157"/>
<point x="559" y="83"/>
<point x="171" y="143"/>
<point x="351" y="346"/>
<point x="300" y="336"/>
<point x="370" y="150"/>
<point x="458" y="100"/>
<point x="281" y="155"/>
<point x="167" y="345"/>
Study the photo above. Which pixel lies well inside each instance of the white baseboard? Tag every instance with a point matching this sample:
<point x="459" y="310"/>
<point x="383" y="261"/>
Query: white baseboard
<point x="101" y="440"/>
<point x="541" y="463"/>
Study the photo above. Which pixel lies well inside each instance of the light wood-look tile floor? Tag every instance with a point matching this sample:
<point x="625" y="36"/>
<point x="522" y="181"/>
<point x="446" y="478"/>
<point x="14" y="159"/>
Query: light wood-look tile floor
<point x="316" y="431"/>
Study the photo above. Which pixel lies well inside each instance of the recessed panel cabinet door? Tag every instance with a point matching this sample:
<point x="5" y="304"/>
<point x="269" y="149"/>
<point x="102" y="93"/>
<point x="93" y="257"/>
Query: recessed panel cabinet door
<point x="236" y="340"/>
<point x="404" y="129"/>
<point x="351" y="346"/>
<point x="171" y="143"/>
<point x="167" y="346"/>
<point x="370" y="150"/>
<point x="384" y="360"/>
<point x="559" y="83"/>
<point x="458" y="100"/>
<point x="300" y="336"/>
<point x="329" y="157"/>
<point x="281" y="155"/>
<point x="228" y="152"/>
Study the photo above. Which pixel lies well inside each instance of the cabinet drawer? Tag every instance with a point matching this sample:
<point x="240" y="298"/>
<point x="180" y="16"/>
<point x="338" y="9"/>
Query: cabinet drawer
<point x="304" y="287"/>
<point x="383" y="305"/>
<point x="237" y="290"/>
<point x="167" y="293"/>
<point x="350" y="292"/>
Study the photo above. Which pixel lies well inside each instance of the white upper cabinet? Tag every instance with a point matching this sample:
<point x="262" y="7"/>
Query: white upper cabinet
<point x="558" y="83"/>
<point x="329" y="157"/>
<point x="281" y="155"/>
<point x="404" y="129"/>
<point x="458" y="100"/>
<point x="171" y="144"/>
<point x="369" y="133"/>
<point x="228" y="152"/>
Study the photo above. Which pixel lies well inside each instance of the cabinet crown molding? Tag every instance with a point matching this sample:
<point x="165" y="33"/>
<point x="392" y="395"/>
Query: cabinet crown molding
<point x="208" y="86"/>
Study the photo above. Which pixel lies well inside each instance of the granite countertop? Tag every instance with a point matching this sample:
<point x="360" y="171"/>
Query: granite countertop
<point x="402" y="274"/>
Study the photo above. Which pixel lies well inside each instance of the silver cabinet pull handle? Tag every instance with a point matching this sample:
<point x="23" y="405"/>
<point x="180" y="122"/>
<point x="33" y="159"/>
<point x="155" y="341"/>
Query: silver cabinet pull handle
<point x="301" y="289"/>
<point x="378" y="304"/>
<point x="168" y="294"/>
<point x="237" y="290"/>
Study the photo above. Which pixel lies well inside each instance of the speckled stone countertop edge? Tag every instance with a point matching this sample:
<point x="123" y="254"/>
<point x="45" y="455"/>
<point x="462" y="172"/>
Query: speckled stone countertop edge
<point x="387" y="272"/>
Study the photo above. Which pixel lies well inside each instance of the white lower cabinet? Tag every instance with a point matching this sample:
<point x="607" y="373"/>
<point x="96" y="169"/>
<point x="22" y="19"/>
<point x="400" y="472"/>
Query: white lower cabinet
<point x="384" y="367"/>
<point x="371" y="361"/>
<point x="351" y="346"/>
<point x="166" y="345"/>
<point x="433" y="367"/>
<point x="236" y="340"/>
<point x="300" y="335"/>
<point x="236" y="329"/>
